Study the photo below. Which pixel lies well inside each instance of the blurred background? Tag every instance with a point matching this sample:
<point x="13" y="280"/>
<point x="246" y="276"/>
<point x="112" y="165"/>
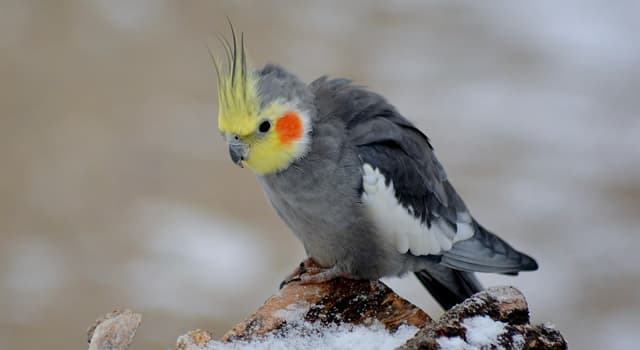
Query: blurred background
<point x="116" y="189"/>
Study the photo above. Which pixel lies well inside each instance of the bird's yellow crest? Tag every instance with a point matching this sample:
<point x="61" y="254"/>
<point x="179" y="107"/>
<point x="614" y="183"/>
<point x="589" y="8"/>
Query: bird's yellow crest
<point x="284" y="133"/>
<point x="237" y="96"/>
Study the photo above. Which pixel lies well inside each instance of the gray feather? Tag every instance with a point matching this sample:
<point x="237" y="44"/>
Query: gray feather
<point x="319" y="196"/>
<point x="388" y="141"/>
<point x="486" y="252"/>
<point x="448" y="286"/>
<point x="276" y="83"/>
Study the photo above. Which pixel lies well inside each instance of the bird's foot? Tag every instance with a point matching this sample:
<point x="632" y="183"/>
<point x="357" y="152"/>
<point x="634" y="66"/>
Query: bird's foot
<point x="304" y="267"/>
<point x="320" y="275"/>
<point x="308" y="272"/>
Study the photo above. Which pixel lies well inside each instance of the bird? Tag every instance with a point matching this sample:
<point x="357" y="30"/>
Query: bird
<point x="355" y="181"/>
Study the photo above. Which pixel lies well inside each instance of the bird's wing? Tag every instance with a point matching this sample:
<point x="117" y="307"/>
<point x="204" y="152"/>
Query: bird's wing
<point x="406" y="191"/>
<point x="407" y="194"/>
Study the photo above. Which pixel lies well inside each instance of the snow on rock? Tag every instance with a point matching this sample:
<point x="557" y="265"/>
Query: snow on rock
<point x="481" y="331"/>
<point x="337" y="302"/>
<point x="346" y="314"/>
<point x="309" y="335"/>
<point x="339" y="314"/>
<point x="293" y="312"/>
<point x="497" y="318"/>
<point x="350" y="314"/>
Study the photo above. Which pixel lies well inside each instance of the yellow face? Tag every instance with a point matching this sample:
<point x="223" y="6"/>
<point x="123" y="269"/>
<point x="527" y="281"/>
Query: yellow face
<point x="266" y="143"/>
<point x="267" y="139"/>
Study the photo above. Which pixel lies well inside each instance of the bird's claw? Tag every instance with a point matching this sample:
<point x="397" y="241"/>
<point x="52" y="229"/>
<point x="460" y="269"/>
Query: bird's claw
<point x="287" y="281"/>
<point x="310" y="273"/>
<point x="306" y="266"/>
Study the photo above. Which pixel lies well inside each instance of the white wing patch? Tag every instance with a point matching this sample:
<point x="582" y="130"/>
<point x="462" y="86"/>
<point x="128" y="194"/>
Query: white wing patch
<point x="397" y="222"/>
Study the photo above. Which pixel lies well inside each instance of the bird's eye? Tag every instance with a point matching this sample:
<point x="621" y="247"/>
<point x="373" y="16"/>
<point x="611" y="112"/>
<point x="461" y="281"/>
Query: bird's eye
<point x="264" y="126"/>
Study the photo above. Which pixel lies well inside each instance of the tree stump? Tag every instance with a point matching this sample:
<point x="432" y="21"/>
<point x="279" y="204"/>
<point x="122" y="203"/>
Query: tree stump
<point x="492" y="319"/>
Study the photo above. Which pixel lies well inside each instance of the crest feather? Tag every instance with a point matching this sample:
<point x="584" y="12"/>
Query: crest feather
<point x="237" y="96"/>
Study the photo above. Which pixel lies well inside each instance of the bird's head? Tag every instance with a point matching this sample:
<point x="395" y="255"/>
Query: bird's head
<point x="264" y="115"/>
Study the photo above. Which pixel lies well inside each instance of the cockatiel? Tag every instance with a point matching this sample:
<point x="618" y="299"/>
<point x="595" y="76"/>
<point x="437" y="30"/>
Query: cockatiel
<point x="355" y="181"/>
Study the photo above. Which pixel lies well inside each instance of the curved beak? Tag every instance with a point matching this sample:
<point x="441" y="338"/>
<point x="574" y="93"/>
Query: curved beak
<point x="238" y="151"/>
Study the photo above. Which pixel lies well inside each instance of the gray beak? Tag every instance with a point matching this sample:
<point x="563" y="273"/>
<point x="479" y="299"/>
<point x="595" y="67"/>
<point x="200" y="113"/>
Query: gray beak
<point x="238" y="151"/>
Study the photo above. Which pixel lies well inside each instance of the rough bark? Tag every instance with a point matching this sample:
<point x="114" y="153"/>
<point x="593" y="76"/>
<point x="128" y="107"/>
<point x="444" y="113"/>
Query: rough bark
<point x="502" y="304"/>
<point x="365" y="303"/>
<point x="335" y="302"/>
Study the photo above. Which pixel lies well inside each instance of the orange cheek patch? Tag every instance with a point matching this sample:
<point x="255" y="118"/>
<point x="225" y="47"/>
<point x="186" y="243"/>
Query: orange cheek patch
<point x="289" y="127"/>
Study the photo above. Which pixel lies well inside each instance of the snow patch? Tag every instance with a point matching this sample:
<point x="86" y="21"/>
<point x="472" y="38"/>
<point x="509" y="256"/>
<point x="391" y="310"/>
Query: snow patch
<point x="455" y="343"/>
<point x="517" y="341"/>
<point x="481" y="332"/>
<point x="307" y="335"/>
<point x="292" y="312"/>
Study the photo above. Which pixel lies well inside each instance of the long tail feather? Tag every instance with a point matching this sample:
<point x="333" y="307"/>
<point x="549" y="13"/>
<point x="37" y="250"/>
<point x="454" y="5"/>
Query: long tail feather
<point x="448" y="286"/>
